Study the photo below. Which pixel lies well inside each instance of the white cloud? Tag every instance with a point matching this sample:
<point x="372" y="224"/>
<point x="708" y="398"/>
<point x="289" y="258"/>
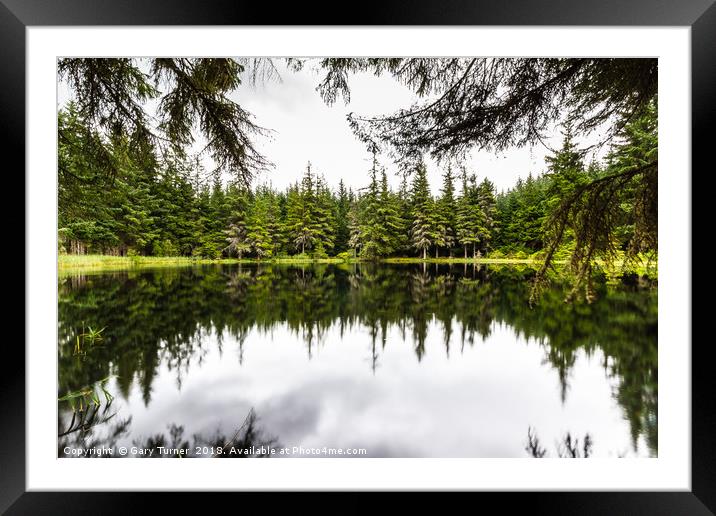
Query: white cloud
<point x="305" y="129"/>
<point x="309" y="130"/>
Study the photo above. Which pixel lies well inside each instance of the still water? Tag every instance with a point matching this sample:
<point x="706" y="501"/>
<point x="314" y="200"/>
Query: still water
<point x="375" y="360"/>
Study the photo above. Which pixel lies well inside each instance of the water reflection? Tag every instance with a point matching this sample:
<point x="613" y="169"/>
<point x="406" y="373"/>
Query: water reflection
<point x="188" y="323"/>
<point x="568" y="447"/>
<point x="250" y="440"/>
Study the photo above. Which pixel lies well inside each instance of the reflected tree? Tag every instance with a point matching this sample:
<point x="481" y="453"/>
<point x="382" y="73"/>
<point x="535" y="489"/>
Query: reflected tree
<point x="171" y="316"/>
<point x="249" y="440"/>
<point x="568" y="447"/>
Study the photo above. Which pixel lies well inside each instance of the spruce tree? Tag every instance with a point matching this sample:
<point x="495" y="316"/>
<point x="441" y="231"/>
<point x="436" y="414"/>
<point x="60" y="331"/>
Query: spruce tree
<point x="323" y="219"/>
<point x="370" y="223"/>
<point x="257" y="230"/>
<point x="422" y="231"/>
<point x="565" y="171"/>
<point x="238" y="239"/>
<point x="300" y="208"/>
<point x="294" y="222"/>
<point x="470" y="217"/>
<point x="389" y="216"/>
<point x="446" y="214"/>
<point x="342" y="233"/>
<point x="235" y="220"/>
<point x="382" y="224"/>
<point x="488" y="206"/>
<point x="355" y="239"/>
<point x="405" y="214"/>
<point x="274" y="221"/>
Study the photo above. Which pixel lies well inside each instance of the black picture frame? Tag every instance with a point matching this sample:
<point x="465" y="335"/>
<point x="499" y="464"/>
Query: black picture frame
<point x="700" y="15"/>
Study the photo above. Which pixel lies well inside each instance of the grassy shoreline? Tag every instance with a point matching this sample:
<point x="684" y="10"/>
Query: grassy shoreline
<point x="90" y="262"/>
<point x="95" y="262"/>
<point x="67" y="263"/>
<point x="527" y="261"/>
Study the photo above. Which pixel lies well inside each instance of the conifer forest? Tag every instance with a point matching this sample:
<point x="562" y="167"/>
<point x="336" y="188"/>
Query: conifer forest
<point x="344" y="291"/>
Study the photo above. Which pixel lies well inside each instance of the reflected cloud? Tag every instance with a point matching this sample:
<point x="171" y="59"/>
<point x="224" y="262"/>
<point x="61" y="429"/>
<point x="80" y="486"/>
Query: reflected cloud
<point x="302" y="344"/>
<point x="249" y="440"/>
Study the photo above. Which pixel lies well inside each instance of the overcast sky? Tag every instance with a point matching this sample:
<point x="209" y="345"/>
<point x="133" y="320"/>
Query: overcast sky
<point x="306" y="129"/>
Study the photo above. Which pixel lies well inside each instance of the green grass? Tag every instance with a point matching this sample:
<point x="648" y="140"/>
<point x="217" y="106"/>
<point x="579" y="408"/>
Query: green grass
<point x="96" y="263"/>
<point x="75" y="262"/>
<point x="85" y="397"/>
<point x="463" y="260"/>
<point x="293" y="259"/>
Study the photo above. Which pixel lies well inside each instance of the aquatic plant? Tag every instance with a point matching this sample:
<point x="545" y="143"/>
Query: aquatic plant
<point x="89" y="395"/>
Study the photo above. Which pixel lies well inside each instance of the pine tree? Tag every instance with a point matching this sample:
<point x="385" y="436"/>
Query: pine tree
<point x="135" y="227"/>
<point x="301" y="209"/>
<point x="405" y="214"/>
<point x="488" y="206"/>
<point x="446" y="214"/>
<point x="565" y="169"/>
<point x="636" y="219"/>
<point x="238" y="239"/>
<point x="355" y="239"/>
<point x="218" y="209"/>
<point x="274" y="221"/>
<point x="389" y="217"/>
<point x="294" y="227"/>
<point x="323" y="219"/>
<point x="565" y="173"/>
<point x="470" y="217"/>
<point x="370" y="223"/>
<point x="422" y="231"/>
<point x="381" y="219"/>
<point x="257" y="231"/>
<point x="342" y="233"/>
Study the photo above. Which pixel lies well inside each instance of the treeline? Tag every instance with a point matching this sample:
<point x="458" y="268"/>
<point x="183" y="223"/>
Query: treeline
<point x="115" y="203"/>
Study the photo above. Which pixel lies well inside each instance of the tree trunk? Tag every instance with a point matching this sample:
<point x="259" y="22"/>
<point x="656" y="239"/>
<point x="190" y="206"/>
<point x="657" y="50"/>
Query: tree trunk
<point x="436" y="251"/>
<point x="303" y="247"/>
<point x="474" y="251"/>
<point x="424" y="253"/>
<point x="465" y="252"/>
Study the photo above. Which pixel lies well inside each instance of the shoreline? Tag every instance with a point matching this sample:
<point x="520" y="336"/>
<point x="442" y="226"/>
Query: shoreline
<point x="96" y="263"/>
<point x="73" y="262"/>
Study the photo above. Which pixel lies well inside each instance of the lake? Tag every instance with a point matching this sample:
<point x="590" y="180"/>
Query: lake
<point x="372" y="360"/>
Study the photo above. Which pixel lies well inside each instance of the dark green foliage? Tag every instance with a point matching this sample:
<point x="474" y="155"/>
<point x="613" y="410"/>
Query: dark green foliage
<point x="324" y="221"/>
<point x="344" y="201"/>
<point x="126" y="187"/>
<point x="172" y="209"/>
<point x="310" y="216"/>
<point x="379" y="223"/>
<point x="192" y="93"/>
<point x="522" y="212"/>
<point x="493" y="103"/>
<point x="471" y="218"/>
<point x="446" y="214"/>
<point x="488" y="204"/>
<point x="423" y="230"/>
<point x="605" y="209"/>
<point x="498" y="103"/>
<point x="264" y="224"/>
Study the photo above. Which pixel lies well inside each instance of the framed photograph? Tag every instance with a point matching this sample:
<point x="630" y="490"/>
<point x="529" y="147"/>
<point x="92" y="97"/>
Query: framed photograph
<point x="437" y="249"/>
